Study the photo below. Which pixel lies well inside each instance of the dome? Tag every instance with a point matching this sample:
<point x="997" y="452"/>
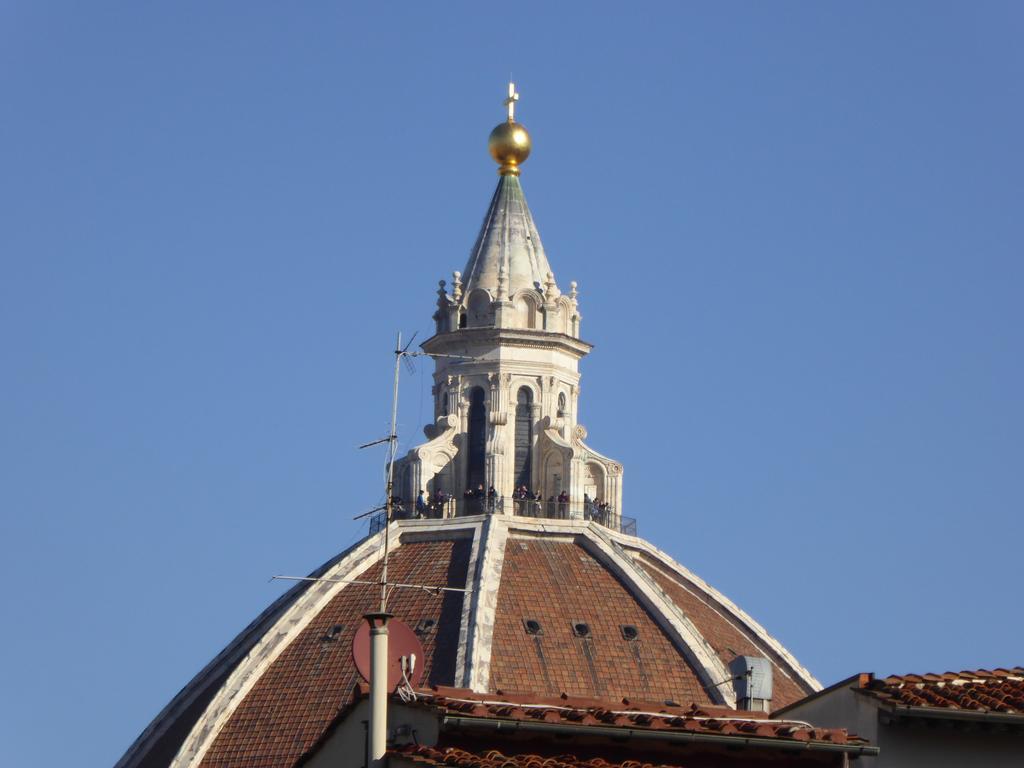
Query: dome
<point x="509" y="595"/>
<point x="550" y="608"/>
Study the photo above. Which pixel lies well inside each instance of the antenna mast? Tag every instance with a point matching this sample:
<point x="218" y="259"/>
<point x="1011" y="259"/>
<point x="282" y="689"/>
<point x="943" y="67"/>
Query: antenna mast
<point x="392" y="450"/>
<point x="377" y="725"/>
<point x="392" y="440"/>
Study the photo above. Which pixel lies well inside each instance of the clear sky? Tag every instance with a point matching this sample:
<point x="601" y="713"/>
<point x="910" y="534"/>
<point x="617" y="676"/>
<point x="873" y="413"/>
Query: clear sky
<point x="797" y="232"/>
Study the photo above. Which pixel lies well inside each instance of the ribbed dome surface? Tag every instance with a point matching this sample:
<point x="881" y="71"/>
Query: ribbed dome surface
<point x="551" y="608"/>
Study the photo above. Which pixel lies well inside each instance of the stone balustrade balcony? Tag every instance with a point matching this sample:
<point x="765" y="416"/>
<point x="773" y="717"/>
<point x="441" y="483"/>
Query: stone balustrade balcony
<point x="603" y="514"/>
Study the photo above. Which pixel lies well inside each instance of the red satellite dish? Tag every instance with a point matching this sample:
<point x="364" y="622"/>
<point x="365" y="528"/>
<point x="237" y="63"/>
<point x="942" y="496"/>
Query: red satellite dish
<point x="402" y="641"/>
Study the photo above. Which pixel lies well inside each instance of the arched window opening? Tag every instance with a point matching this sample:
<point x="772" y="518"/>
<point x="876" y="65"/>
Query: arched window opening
<point x="561" y="404"/>
<point x="524" y="438"/>
<point x="462" y="319"/>
<point x="476" y="467"/>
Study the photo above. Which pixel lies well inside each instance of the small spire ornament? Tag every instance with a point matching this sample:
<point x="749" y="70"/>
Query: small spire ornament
<point x="509" y="143"/>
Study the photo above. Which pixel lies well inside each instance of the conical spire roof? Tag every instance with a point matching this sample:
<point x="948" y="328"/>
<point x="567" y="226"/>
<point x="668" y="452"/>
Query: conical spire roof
<point x="508" y="241"/>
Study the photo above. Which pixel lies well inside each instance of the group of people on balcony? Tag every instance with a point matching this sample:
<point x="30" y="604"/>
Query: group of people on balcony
<point x="533" y="505"/>
<point x="477" y="500"/>
<point x="596" y="510"/>
<point x="525" y="502"/>
<point x="480" y="501"/>
<point x="522" y="493"/>
<point x="439" y="504"/>
<point x="431" y="506"/>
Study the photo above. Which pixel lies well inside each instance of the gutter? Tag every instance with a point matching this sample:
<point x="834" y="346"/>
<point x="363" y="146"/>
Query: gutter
<point x="648" y="734"/>
<point x="937" y="713"/>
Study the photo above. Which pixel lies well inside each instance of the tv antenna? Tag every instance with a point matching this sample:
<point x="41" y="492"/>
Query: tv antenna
<point x="402" y="354"/>
<point x="370" y="645"/>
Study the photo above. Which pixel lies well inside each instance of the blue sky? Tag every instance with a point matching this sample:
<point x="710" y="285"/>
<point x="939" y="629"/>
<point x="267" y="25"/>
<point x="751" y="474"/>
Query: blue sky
<point x="797" y="232"/>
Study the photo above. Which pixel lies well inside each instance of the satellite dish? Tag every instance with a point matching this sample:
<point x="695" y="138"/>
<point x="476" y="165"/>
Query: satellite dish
<point x="402" y="641"/>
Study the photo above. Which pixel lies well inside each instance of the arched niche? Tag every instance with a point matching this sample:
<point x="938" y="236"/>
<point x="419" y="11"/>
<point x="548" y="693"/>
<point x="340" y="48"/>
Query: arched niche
<point x="565" y="317"/>
<point x="526" y="311"/>
<point x="593" y="480"/>
<point x="405" y="490"/>
<point x="443" y="479"/>
<point x="555" y="480"/>
<point x="478" y="309"/>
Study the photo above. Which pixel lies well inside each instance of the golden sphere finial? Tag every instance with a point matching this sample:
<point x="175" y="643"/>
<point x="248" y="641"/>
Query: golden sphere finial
<point x="509" y="143"/>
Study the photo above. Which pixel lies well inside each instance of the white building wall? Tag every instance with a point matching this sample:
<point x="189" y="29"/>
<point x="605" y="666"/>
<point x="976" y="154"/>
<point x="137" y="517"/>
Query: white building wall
<point x="918" y="744"/>
<point x="501" y="361"/>
<point x="910" y="742"/>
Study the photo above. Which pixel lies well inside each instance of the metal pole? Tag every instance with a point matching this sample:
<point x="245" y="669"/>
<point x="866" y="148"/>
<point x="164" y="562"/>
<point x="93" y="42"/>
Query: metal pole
<point x="379" y="621"/>
<point x="378" y="688"/>
<point x="392" y="450"/>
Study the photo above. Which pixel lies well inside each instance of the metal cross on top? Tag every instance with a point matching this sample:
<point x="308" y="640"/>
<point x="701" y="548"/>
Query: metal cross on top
<point x="510" y="102"/>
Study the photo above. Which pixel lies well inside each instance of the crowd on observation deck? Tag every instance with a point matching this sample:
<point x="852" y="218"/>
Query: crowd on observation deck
<point x="522" y="503"/>
<point x="480" y="501"/>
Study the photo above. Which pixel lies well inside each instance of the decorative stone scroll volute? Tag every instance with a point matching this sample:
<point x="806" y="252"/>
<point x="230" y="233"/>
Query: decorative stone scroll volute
<point x="508" y="336"/>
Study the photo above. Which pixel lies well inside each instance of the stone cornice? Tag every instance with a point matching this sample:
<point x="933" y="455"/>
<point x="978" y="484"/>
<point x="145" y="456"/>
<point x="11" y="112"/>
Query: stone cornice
<point x="512" y="337"/>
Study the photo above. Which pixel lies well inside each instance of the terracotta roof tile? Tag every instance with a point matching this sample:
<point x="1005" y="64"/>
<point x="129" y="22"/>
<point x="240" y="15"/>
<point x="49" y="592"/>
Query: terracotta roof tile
<point x="693" y="718"/>
<point x="492" y="758"/>
<point x="307" y="685"/>
<point x="981" y="690"/>
<point x="556" y="583"/>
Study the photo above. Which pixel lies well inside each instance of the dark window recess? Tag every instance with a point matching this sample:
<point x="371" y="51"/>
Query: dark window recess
<point x="424" y="626"/>
<point x="477" y="464"/>
<point x="523" y="438"/>
<point x="532" y="627"/>
<point x="333" y="633"/>
<point x="629" y="632"/>
<point x="581" y="629"/>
